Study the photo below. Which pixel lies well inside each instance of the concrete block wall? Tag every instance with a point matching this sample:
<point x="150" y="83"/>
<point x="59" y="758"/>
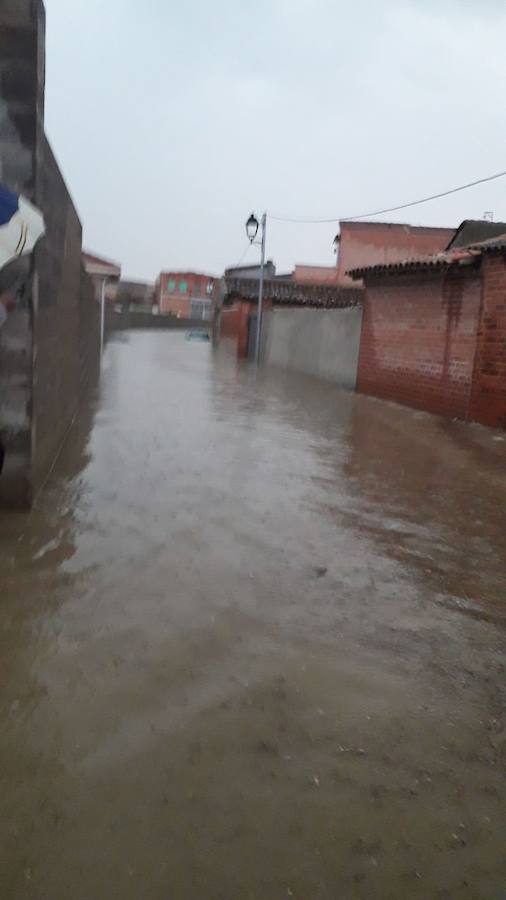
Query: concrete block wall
<point x="89" y="334"/>
<point x="47" y="343"/>
<point x="22" y="40"/>
<point x="57" y="289"/>
<point x="22" y="82"/>
<point x="488" y="397"/>
<point x="321" y="342"/>
<point x="419" y="337"/>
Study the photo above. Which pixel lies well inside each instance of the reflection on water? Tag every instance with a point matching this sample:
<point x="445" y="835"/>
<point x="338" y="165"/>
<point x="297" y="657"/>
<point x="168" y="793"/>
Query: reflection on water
<point x="250" y="644"/>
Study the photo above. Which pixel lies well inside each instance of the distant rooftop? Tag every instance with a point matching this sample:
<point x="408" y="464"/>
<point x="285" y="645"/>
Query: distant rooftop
<point x="367" y="225"/>
<point x="166" y="272"/>
<point x="475" y="230"/>
<point x="100" y="265"/>
<point x="465" y="255"/>
<point x="251" y="270"/>
<point x="491" y="244"/>
<point x="290" y="293"/>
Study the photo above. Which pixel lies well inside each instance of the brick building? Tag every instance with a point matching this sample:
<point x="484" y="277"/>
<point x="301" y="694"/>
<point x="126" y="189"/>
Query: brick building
<point x="187" y="295"/>
<point x="361" y="244"/>
<point x="135" y="295"/>
<point x="101" y="269"/>
<point x="315" y="274"/>
<point x="434" y="332"/>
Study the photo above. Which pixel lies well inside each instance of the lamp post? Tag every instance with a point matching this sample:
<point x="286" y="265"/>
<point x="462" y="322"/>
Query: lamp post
<point x="252" y="231"/>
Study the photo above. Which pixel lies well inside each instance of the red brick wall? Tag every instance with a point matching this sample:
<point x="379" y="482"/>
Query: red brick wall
<point x="315" y="274"/>
<point x="488" y="399"/>
<point x="178" y="307"/>
<point x="419" y="339"/>
<point x="245" y="310"/>
<point x="230" y="322"/>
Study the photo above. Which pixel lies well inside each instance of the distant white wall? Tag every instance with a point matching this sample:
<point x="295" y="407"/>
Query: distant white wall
<point x="321" y="342"/>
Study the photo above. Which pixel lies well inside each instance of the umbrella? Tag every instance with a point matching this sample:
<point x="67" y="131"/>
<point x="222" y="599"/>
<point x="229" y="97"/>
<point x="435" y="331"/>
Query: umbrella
<point x="21" y="226"/>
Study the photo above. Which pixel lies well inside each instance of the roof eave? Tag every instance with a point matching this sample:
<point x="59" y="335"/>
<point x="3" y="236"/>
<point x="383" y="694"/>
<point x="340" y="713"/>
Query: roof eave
<point x="411" y="268"/>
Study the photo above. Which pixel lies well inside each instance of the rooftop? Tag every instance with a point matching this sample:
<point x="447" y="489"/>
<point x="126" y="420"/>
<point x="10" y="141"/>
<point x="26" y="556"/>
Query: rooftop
<point x="493" y="243"/>
<point x="100" y="265"/>
<point x="178" y="272"/>
<point x="290" y="293"/>
<point x="367" y="225"/>
<point x="474" y="231"/>
<point x="455" y="256"/>
<point x="270" y="268"/>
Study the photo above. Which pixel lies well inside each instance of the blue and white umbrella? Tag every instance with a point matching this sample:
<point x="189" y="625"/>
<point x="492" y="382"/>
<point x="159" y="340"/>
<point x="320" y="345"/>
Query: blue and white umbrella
<point x="21" y="226"/>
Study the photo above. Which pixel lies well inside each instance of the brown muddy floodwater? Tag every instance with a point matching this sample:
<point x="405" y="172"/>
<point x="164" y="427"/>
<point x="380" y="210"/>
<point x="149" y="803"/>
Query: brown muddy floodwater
<point x="252" y="645"/>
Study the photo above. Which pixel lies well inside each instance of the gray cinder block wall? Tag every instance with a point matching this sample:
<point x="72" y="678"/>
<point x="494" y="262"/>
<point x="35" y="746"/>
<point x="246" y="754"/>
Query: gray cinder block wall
<point x="49" y="346"/>
<point x="321" y="342"/>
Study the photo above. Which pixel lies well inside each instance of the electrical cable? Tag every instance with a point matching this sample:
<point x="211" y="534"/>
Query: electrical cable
<point x="380" y="212"/>
<point x="242" y="257"/>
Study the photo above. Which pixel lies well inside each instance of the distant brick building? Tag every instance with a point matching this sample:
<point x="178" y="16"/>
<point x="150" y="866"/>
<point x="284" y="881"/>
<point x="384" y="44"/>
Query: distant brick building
<point x="99" y="269"/>
<point x="361" y="244"/>
<point x="188" y="295"/>
<point x="135" y="295"/>
<point x="315" y="274"/>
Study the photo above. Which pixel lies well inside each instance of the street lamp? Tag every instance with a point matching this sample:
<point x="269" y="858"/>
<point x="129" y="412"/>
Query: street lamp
<point x="252" y="228"/>
<point x="252" y="231"/>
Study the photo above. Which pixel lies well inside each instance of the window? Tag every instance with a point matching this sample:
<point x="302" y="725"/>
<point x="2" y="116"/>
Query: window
<point x="183" y="287"/>
<point x="196" y="287"/>
<point x="171" y="285"/>
<point x="209" y="288"/>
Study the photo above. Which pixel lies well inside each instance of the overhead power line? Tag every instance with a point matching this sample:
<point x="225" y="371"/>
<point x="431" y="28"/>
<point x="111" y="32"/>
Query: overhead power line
<point x="243" y="256"/>
<point x="380" y="212"/>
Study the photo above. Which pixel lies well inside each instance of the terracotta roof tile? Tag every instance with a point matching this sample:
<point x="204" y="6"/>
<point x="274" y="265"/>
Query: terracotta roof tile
<point x="459" y="256"/>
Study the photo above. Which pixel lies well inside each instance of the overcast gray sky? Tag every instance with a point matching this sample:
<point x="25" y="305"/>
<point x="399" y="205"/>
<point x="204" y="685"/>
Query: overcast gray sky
<point x="173" y="120"/>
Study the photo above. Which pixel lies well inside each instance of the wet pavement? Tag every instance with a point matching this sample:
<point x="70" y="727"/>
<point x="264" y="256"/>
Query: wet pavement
<point x="252" y="645"/>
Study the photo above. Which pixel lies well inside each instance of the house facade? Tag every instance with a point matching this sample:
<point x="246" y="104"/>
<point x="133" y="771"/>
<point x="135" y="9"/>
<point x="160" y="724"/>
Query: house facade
<point x="187" y="295"/>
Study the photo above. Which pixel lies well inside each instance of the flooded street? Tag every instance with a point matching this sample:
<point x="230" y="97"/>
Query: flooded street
<point x="252" y="645"/>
